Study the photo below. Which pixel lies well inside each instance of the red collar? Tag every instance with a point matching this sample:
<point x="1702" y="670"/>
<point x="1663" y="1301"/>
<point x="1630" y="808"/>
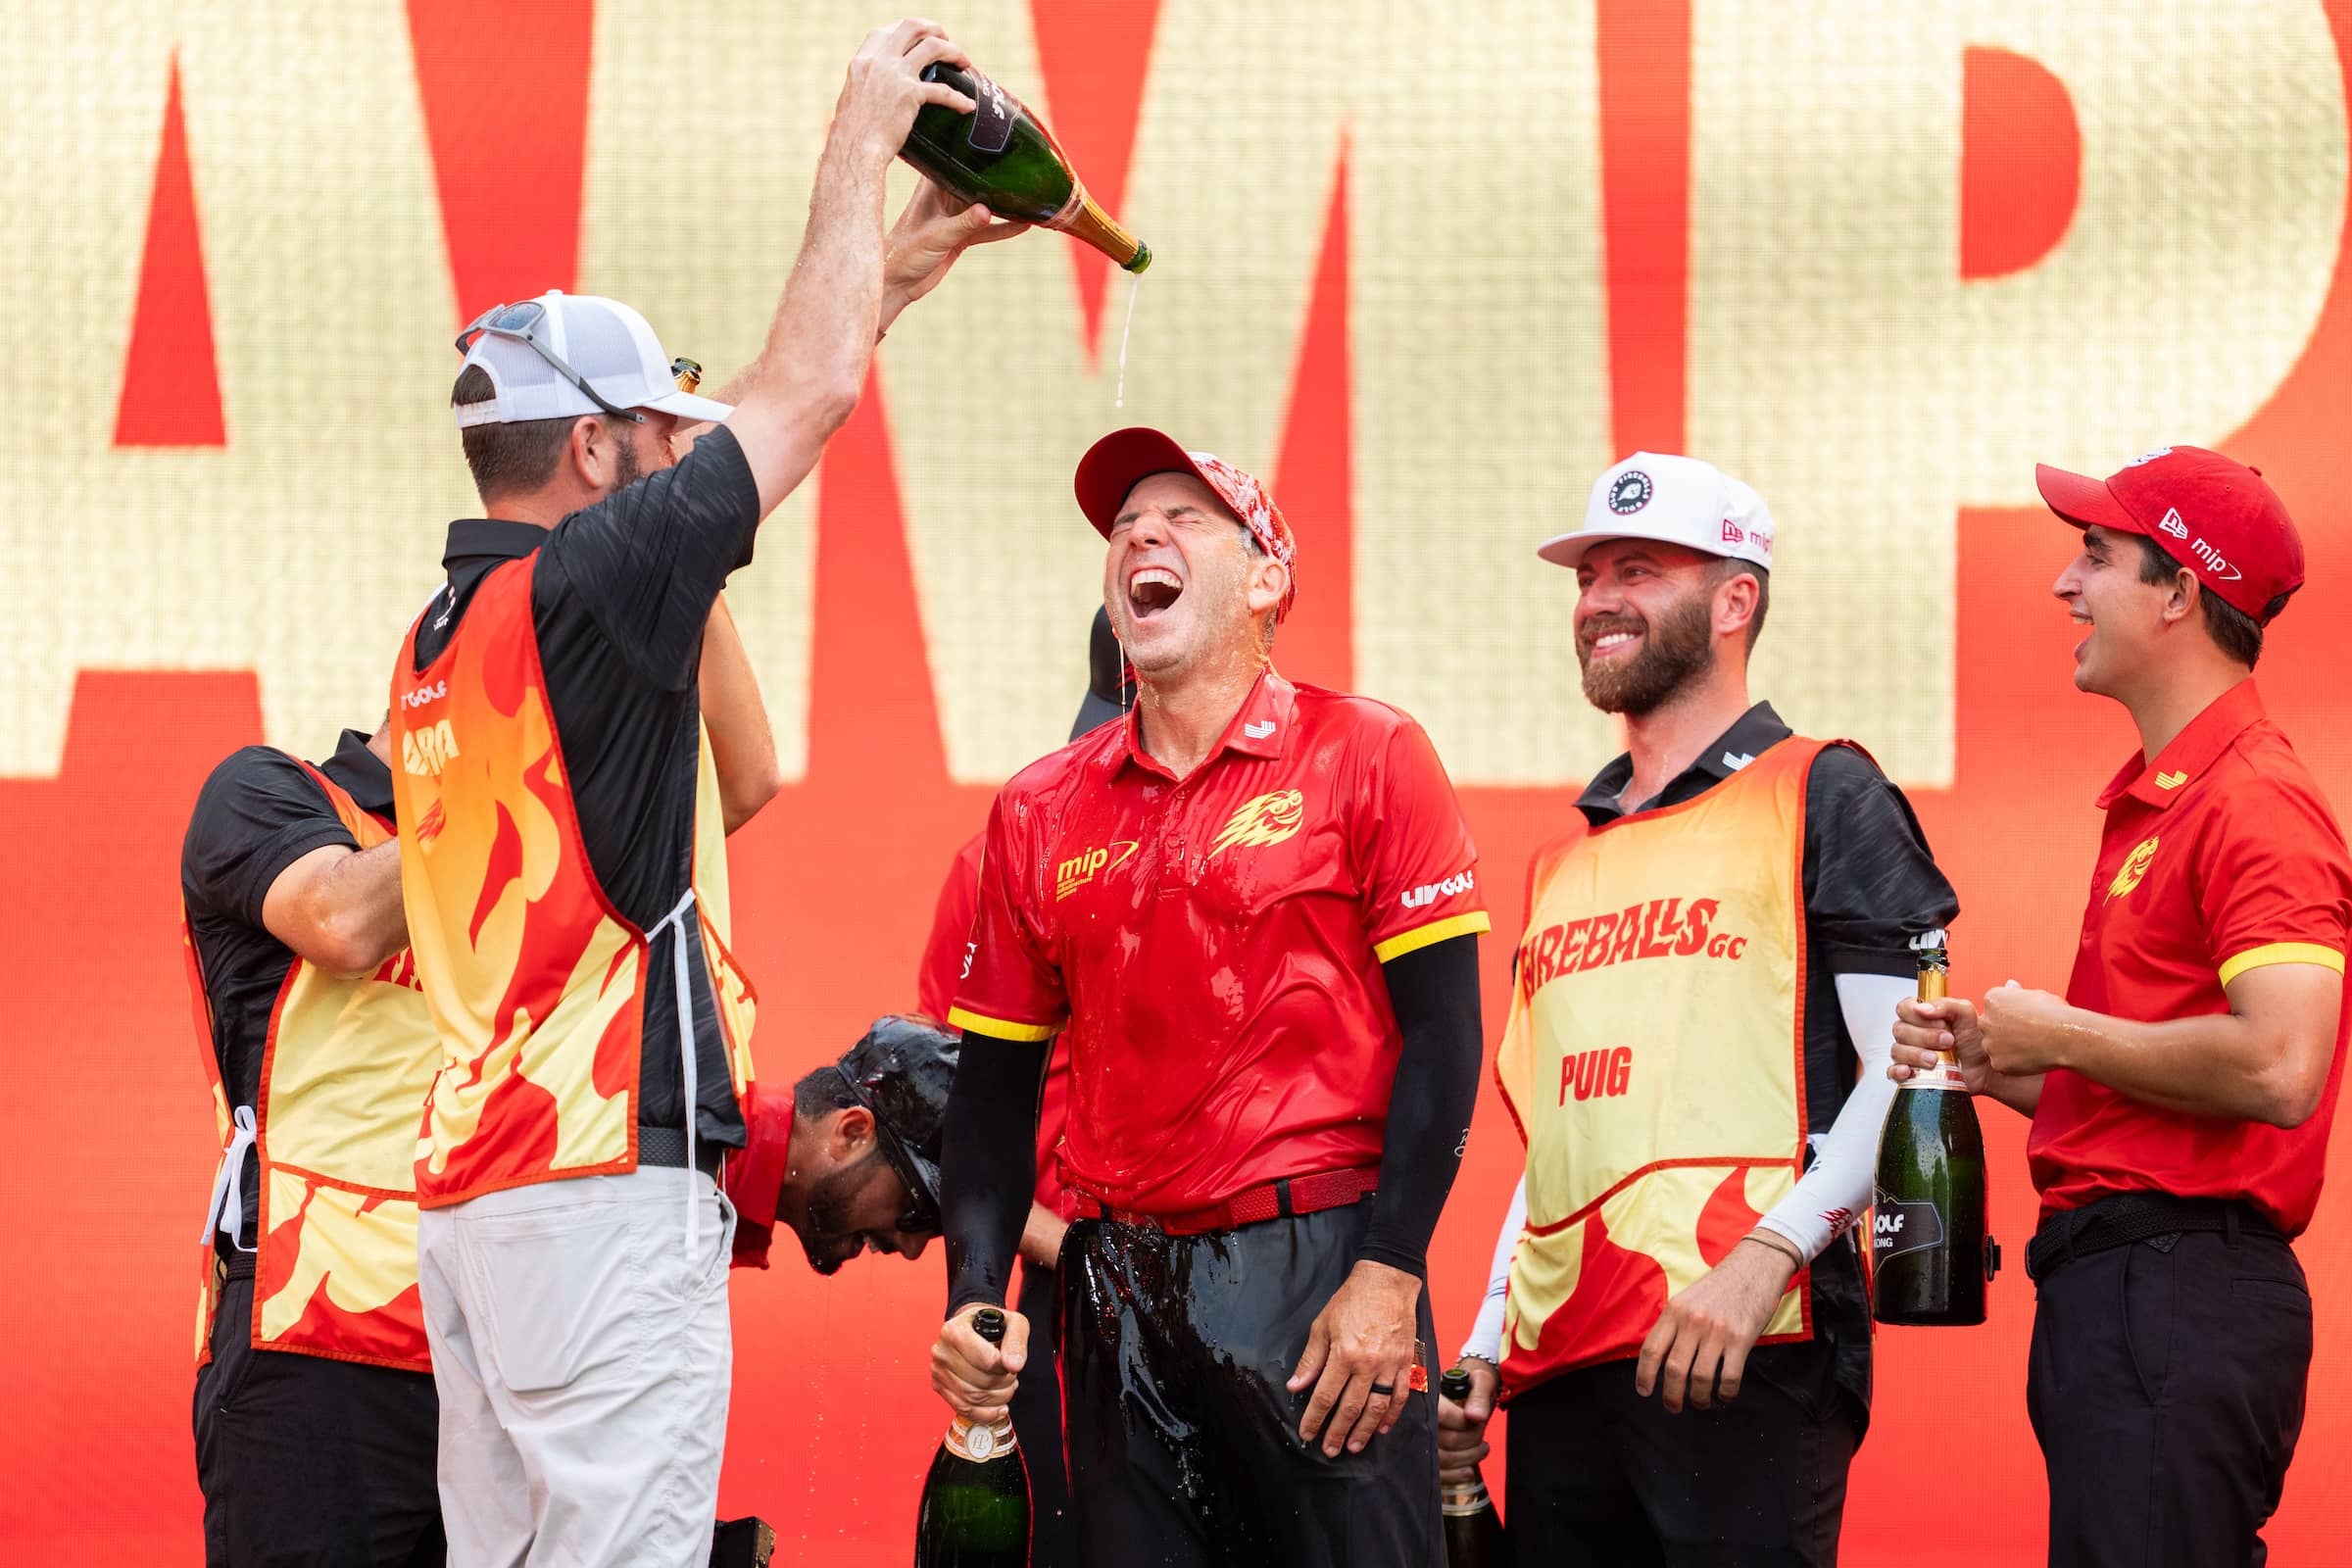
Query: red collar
<point x="2195" y="750"/>
<point x="1261" y="729"/>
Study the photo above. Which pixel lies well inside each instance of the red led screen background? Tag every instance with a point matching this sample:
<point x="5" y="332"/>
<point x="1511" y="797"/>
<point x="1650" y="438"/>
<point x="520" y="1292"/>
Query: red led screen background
<point x="1426" y="269"/>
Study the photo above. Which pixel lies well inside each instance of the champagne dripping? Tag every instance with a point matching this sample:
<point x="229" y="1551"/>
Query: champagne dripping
<point x="1135" y="281"/>
<point x="1126" y="687"/>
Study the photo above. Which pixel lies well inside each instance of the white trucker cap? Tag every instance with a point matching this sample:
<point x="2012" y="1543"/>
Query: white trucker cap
<point x="1676" y="501"/>
<point x="609" y="345"/>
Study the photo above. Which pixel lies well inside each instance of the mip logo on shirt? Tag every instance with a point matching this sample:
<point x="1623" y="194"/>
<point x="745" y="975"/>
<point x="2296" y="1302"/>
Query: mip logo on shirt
<point x="1080" y="869"/>
<point x="2135" y="866"/>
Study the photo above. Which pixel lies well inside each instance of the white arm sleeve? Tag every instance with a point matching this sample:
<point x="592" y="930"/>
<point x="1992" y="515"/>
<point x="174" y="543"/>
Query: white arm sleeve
<point x="1831" y="1196"/>
<point x="1485" y="1335"/>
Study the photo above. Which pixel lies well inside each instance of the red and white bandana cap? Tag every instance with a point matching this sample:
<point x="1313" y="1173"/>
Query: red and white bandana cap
<point x="1123" y="459"/>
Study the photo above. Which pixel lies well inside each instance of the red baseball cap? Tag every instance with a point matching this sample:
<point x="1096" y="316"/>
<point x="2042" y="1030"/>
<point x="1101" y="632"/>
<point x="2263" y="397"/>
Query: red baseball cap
<point x="2215" y="516"/>
<point x="1116" y="463"/>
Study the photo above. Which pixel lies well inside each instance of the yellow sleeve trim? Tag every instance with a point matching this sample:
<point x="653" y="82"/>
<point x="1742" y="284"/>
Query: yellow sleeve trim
<point x="1435" y="931"/>
<point x="2282" y="952"/>
<point x="1001" y="1029"/>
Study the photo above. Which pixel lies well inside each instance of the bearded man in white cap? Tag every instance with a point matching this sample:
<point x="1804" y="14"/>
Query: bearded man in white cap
<point x="1700" y="1013"/>
<point x="575" y="727"/>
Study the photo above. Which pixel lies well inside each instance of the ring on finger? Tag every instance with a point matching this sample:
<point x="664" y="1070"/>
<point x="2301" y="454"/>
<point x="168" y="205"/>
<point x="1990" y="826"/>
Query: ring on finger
<point x="1384" y="1389"/>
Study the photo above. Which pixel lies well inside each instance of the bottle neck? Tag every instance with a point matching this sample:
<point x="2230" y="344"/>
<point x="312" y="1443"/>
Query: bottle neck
<point x="1083" y="219"/>
<point x="1945" y="1074"/>
<point x="979" y="1441"/>
<point x="1463" y="1497"/>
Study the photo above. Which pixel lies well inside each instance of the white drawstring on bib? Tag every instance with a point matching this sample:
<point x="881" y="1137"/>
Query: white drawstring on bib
<point x="226" y="1212"/>
<point x="677" y="919"/>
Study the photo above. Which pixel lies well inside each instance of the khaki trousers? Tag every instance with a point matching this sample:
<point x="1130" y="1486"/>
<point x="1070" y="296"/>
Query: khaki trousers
<point x="582" y="1360"/>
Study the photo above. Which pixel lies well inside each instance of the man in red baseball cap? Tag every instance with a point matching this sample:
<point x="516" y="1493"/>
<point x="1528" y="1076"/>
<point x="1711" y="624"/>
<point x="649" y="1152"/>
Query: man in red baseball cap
<point x="2181" y="1091"/>
<point x="1251" y="906"/>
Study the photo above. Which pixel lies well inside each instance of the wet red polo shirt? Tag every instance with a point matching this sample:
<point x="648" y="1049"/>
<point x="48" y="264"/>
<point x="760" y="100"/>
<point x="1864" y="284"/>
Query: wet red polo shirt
<point x="1214" y="942"/>
<point x="944" y="955"/>
<point x="2218" y="858"/>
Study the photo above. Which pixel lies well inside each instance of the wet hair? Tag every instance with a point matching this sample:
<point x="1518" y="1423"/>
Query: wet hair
<point x="822" y="1092"/>
<point x="1725" y="569"/>
<point x="2238" y="634"/>
<point x="510" y="459"/>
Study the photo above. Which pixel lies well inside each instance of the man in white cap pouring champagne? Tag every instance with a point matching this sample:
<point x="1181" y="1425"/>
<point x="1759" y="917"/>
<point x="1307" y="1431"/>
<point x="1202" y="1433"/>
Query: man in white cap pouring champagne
<point x="569" y="716"/>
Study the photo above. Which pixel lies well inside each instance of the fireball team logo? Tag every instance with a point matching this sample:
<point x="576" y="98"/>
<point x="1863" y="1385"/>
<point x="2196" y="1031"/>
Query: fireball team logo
<point x="1631" y="493"/>
<point x="2134" y="866"/>
<point x="1268" y="819"/>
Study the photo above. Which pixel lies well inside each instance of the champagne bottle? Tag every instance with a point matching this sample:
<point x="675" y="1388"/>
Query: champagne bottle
<point x="743" y="1543"/>
<point x="1474" y="1536"/>
<point x="1929" y="1250"/>
<point x="1002" y="156"/>
<point x="975" y="1508"/>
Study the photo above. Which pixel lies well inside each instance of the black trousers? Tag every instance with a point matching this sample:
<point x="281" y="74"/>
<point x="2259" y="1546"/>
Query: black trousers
<point x="1183" y="1440"/>
<point x="1600" y="1476"/>
<point x="312" y="1463"/>
<point x="2166" y="1384"/>
<point x="1037" y="1424"/>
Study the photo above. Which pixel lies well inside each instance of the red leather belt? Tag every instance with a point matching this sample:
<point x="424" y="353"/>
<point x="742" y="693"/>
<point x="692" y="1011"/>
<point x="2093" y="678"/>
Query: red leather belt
<point x="1284" y="1199"/>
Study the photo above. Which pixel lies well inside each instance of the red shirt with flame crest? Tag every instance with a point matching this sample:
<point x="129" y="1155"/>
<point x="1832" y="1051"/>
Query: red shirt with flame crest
<point x="2219" y="856"/>
<point x="1214" y="942"/>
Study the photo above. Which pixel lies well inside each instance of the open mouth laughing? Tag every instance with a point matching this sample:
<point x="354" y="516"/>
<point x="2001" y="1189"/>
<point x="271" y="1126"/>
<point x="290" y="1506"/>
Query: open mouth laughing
<point x="1153" y="591"/>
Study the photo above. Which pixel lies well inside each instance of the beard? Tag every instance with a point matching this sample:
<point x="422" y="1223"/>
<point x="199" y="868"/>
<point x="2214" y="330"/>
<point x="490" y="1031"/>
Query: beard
<point x="626" y="470"/>
<point x="1678" y="646"/>
<point x="829" y="1214"/>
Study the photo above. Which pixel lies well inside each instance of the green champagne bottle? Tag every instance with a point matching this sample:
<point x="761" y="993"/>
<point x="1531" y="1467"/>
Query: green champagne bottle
<point x="1930" y="1253"/>
<point x="1474" y="1536"/>
<point x="1002" y="156"/>
<point x="975" y="1508"/>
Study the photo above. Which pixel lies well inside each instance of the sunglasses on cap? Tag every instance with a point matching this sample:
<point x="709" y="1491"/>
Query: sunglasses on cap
<point x="521" y="322"/>
<point x="919" y="1218"/>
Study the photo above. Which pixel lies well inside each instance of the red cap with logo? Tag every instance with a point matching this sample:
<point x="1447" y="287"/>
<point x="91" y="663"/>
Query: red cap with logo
<point x="1114" y="465"/>
<point x="2216" y="517"/>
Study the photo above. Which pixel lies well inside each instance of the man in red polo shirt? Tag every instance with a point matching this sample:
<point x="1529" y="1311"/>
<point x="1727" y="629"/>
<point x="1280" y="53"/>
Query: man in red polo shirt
<point x="1252" y="908"/>
<point x="2182" y="1091"/>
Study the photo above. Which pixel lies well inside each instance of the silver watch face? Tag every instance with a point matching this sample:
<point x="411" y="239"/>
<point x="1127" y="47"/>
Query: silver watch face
<point x="980" y="1442"/>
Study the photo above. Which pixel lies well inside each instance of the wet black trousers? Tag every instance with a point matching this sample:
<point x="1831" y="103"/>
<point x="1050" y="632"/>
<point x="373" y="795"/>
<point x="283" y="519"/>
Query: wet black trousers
<point x="312" y="1463"/>
<point x="1037" y="1424"/>
<point x="1600" y="1476"/>
<point x="2165" y="1384"/>
<point x="1184" y="1441"/>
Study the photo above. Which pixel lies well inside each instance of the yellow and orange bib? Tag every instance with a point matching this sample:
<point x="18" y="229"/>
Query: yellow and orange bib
<point x="537" y="983"/>
<point x="1654" y="1062"/>
<point x="335" y="1129"/>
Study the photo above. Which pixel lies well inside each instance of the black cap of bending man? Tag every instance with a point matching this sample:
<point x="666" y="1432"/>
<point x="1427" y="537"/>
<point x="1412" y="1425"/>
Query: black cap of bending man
<point x="902" y="1071"/>
<point x="1109" y="684"/>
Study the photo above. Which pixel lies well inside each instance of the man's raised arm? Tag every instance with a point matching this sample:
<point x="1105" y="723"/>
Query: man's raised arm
<point x="810" y="372"/>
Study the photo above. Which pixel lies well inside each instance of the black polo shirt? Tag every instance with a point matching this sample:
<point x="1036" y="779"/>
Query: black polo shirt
<point x="1871" y="885"/>
<point x="258" y="813"/>
<point x="618" y="600"/>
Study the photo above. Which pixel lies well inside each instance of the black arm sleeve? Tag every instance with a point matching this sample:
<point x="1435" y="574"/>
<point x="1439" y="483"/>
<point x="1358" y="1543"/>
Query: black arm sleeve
<point x="647" y="561"/>
<point x="1871" y="882"/>
<point x="988" y="1164"/>
<point x="1435" y="992"/>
